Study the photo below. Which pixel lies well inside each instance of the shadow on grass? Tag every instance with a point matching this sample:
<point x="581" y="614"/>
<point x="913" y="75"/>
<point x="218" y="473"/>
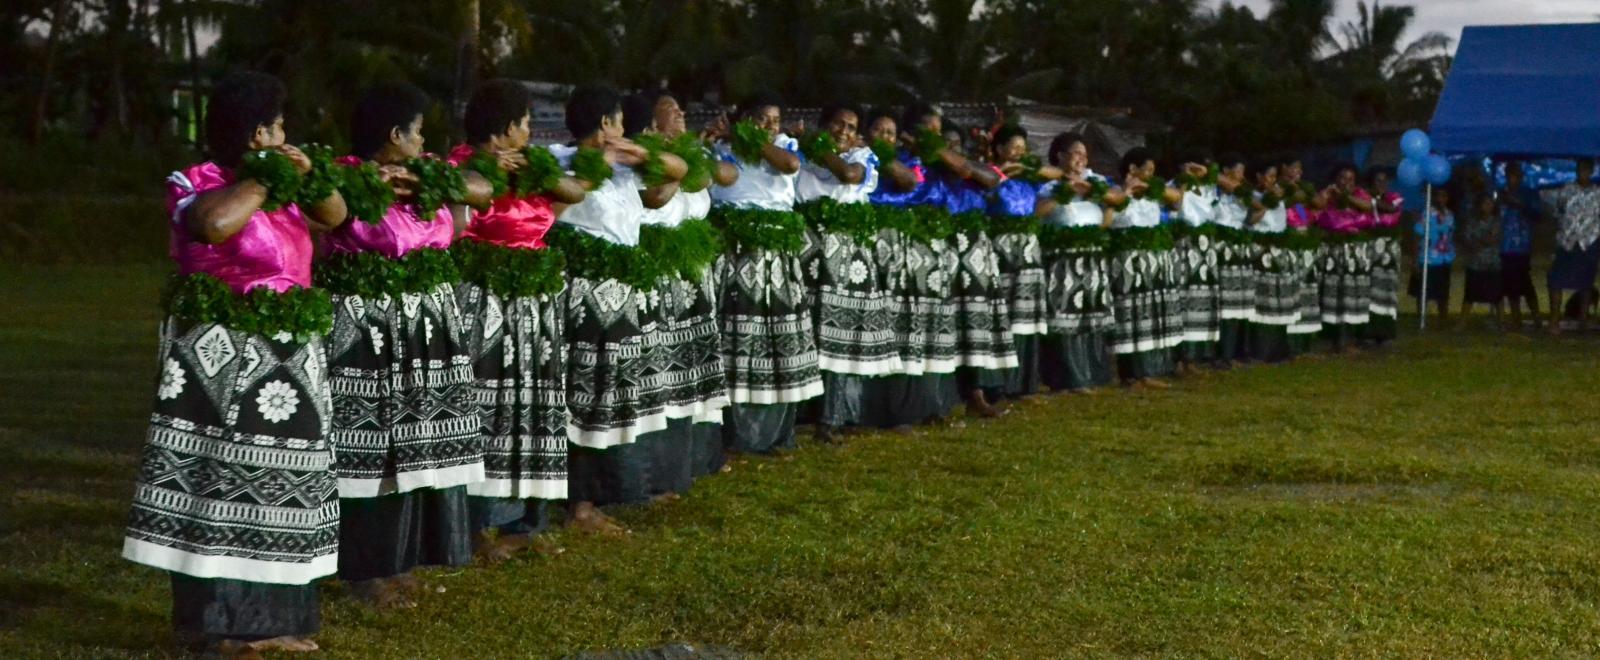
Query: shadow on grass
<point x="36" y="606"/>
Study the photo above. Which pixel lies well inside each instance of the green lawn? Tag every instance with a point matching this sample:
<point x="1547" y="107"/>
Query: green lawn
<point x="1437" y="500"/>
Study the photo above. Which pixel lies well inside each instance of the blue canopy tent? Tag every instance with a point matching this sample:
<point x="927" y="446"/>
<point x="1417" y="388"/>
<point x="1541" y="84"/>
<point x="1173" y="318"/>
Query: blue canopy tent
<point x="1525" y="90"/>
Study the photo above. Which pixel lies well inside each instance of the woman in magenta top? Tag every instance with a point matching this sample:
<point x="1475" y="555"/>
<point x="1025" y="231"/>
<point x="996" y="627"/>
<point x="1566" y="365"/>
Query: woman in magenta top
<point x="1346" y="263"/>
<point x="405" y="429"/>
<point x="512" y="298"/>
<point x="236" y="493"/>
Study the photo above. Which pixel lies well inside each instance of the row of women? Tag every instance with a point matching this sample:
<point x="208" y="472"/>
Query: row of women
<point x="391" y="359"/>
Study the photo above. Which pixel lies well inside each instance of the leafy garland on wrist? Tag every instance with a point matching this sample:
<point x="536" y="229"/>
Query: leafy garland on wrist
<point x="817" y="146"/>
<point x="438" y="183"/>
<point x="698" y="171"/>
<point x="1066" y="194"/>
<point x="365" y="194"/>
<point x="511" y="272"/>
<point x="1188" y="180"/>
<point x="1154" y="239"/>
<point x="589" y="164"/>
<point x="887" y="156"/>
<point x="929" y="146"/>
<point x="653" y="171"/>
<point x="1155" y="190"/>
<point x="201" y="298"/>
<point x="323" y="179"/>
<point x="747" y="140"/>
<point x="276" y="173"/>
<point x="542" y="174"/>
<point x="488" y="167"/>
<point x="1031" y="164"/>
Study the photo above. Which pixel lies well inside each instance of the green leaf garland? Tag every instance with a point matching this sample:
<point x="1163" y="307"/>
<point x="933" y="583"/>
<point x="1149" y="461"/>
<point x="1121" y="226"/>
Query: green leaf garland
<point x="541" y="175"/>
<point x="1054" y="238"/>
<point x="323" y="179"/>
<point x="438" y="183"/>
<point x="1155" y="190"/>
<point x="371" y="275"/>
<point x="747" y="142"/>
<point x="511" y="272"/>
<point x="365" y="194"/>
<point x="686" y="250"/>
<point x="1155" y="239"/>
<point x="200" y="298"/>
<point x="589" y="164"/>
<point x="887" y="156"/>
<point x="277" y="173"/>
<point x="858" y="221"/>
<point x="698" y="161"/>
<point x="818" y="145"/>
<point x="929" y="146"/>
<point x="488" y="167"/>
<point x="760" y="229"/>
<point x="595" y="258"/>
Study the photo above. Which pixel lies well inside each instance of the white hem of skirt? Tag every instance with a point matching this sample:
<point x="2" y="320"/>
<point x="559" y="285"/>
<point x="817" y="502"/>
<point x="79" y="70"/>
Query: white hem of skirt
<point x="740" y="396"/>
<point x="1227" y="315"/>
<point x="405" y="482"/>
<point x="990" y="361"/>
<point x="229" y="568"/>
<point x="1345" y="319"/>
<point x="1037" y="328"/>
<point x="1383" y="310"/>
<point x="712" y="416"/>
<point x="1305" y="328"/>
<point x="1202" y="335"/>
<point x="880" y="367"/>
<point x="940" y="367"/>
<point x="612" y="437"/>
<point x="1275" y="319"/>
<point x="698" y="410"/>
<point x="1141" y="346"/>
<point x="520" y="489"/>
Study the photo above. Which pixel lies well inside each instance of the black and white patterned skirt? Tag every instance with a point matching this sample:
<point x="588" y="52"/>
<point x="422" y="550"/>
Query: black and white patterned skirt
<point x="1199" y="265"/>
<point x="1237" y="281"/>
<point x="1309" y="319"/>
<point x="854" y="315"/>
<point x="1385" y="258"/>
<point x="1146" y="301"/>
<point x="520" y="389"/>
<point x="687" y="348"/>
<point x="1277" y="286"/>
<point x="400" y="372"/>
<point x="237" y="478"/>
<point x="1079" y="291"/>
<point x="614" y="392"/>
<point x="768" y="351"/>
<point x="1022" y="276"/>
<point x="983" y="319"/>
<point x="1346" y="270"/>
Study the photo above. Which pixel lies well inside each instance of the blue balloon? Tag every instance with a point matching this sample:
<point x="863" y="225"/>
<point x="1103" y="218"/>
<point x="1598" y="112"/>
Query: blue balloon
<point x="1409" y="173"/>
<point x="1438" y="170"/>
<point x="1415" y="144"/>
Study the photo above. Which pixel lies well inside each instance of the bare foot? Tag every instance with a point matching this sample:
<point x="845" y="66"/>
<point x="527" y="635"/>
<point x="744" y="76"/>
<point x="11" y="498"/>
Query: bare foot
<point x="589" y="520"/>
<point x="286" y="643"/>
<point x="379" y="594"/>
<point x="904" y="429"/>
<point x="979" y="406"/>
<point x="1157" y="383"/>
<point x="666" y="498"/>
<point x="726" y="468"/>
<point x="412" y="585"/>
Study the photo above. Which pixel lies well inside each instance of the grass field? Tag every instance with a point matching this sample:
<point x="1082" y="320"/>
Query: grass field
<point x="1439" y="499"/>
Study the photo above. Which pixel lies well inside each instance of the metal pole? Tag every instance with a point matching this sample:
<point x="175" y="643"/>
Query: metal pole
<point x="1427" y="244"/>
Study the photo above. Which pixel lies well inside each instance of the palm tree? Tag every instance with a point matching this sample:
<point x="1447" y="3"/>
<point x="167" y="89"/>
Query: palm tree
<point x="1384" y="78"/>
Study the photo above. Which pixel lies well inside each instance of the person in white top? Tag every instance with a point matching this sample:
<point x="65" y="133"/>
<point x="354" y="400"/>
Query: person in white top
<point x="769" y="350"/>
<point x="1236" y="272"/>
<point x="1074" y="357"/>
<point x="1148" y="308"/>
<point x="854" y="330"/>
<point x="683" y="243"/>
<point x="1277" y="272"/>
<point x="613" y="396"/>
<point x="1198" y="260"/>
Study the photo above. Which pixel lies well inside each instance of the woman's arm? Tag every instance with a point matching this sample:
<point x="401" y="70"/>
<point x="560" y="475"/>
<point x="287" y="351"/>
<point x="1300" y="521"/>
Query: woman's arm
<point x="780" y="159"/>
<point x="850" y="173"/>
<point x="725" y="174"/>
<point x="902" y="179"/>
<point x="216" y="215"/>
